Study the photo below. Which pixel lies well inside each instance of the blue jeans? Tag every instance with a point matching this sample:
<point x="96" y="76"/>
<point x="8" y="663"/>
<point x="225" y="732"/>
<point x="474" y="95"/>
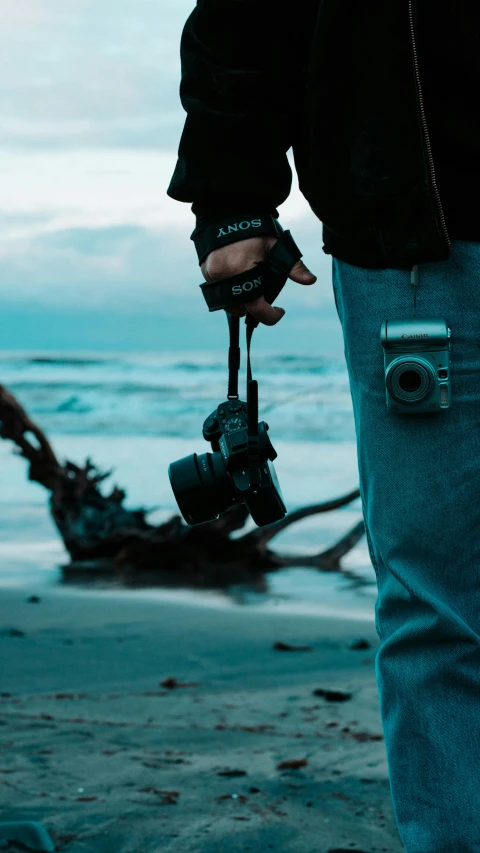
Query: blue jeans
<point x="419" y="478"/>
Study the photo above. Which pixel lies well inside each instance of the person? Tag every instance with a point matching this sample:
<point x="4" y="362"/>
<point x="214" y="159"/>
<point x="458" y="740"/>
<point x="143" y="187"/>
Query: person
<point x="379" y="104"/>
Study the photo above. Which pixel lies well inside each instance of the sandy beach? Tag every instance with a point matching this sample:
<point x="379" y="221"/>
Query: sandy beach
<point x="130" y="725"/>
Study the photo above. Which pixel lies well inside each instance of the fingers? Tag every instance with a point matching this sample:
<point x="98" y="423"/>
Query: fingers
<point x="236" y="310"/>
<point x="260" y="309"/>
<point x="301" y="274"/>
<point x="234" y="258"/>
<point x="265" y="313"/>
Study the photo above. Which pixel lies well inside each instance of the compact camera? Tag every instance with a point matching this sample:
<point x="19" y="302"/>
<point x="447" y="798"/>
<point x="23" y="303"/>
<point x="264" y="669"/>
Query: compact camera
<point x="417" y="364"/>
<point x="239" y="470"/>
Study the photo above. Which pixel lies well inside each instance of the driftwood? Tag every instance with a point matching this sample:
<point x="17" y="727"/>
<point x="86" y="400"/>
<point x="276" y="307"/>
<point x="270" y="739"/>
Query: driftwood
<point x="103" y="537"/>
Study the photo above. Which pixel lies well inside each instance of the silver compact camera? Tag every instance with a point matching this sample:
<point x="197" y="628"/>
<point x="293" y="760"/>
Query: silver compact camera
<point x="417" y="364"/>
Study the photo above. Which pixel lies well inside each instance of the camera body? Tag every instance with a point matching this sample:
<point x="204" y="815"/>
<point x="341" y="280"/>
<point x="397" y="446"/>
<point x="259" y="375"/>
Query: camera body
<point x="417" y="364"/>
<point x="208" y="484"/>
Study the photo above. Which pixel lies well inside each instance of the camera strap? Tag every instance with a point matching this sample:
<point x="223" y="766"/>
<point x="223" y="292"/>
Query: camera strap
<point x="221" y="232"/>
<point x="234" y="352"/>
<point x="265" y="279"/>
<point x="252" y="390"/>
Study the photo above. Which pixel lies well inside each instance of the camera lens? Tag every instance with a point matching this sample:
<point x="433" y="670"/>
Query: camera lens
<point x="409" y="381"/>
<point x="201" y="486"/>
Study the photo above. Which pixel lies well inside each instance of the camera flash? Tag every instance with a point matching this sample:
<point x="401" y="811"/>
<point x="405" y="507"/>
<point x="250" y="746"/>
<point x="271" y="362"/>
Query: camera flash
<point x="444" y="395"/>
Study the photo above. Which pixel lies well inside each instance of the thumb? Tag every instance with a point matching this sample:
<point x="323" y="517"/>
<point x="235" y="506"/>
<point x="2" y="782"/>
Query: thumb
<point x="302" y="274"/>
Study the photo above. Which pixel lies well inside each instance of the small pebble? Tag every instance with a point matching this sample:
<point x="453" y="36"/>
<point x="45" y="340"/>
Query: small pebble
<point x="333" y="695"/>
<point x="359" y="643"/>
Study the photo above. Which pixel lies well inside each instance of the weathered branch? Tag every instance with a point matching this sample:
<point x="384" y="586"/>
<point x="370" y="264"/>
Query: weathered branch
<point x="17" y="426"/>
<point x="329" y="560"/>
<point x="265" y="534"/>
<point x="101" y="535"/>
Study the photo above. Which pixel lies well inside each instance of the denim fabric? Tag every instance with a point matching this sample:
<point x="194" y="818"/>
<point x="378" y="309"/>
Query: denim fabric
<point x="419" y="478"/>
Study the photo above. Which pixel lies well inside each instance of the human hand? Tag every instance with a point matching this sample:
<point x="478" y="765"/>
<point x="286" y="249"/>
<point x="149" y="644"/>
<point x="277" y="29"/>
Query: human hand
<point x="244" y="255"/>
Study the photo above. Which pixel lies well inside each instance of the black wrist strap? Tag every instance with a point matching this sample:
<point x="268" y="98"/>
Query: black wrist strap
<point x="233" y="228"/>
<point x="265" y="279"/>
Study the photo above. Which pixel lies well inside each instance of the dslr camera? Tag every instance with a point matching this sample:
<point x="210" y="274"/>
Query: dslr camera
<point x="417" y="364"/>
<point x="239" y="470"/>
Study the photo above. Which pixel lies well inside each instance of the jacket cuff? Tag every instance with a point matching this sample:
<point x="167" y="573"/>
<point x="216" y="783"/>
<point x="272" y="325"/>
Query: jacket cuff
<point x="215" y="230"/>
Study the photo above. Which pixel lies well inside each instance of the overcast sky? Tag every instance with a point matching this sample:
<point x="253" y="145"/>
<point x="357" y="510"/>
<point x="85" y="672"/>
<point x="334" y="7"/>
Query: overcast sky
<point x="92" y="250"/>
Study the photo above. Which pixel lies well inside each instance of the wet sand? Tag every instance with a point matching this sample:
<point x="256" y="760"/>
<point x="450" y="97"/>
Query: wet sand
<point x="130" y="725"/>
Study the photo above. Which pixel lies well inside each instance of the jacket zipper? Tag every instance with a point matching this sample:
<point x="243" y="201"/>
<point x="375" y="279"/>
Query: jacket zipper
<point x="424" y="125"/>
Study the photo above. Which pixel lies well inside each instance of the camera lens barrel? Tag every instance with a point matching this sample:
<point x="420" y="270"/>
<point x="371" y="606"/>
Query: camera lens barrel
<point x="410" y="380"/>
<point x="202" y="486"/>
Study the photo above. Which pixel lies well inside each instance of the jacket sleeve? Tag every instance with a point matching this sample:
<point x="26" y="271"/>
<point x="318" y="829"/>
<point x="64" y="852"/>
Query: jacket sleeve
<point x="243" y="65"/>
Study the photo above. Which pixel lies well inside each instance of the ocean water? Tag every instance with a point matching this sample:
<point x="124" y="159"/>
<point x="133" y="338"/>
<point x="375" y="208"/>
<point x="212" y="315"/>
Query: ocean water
<point x="136" y="412"/>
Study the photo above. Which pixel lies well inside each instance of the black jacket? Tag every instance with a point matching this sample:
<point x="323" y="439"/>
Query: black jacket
<point x="339" y="82"/>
